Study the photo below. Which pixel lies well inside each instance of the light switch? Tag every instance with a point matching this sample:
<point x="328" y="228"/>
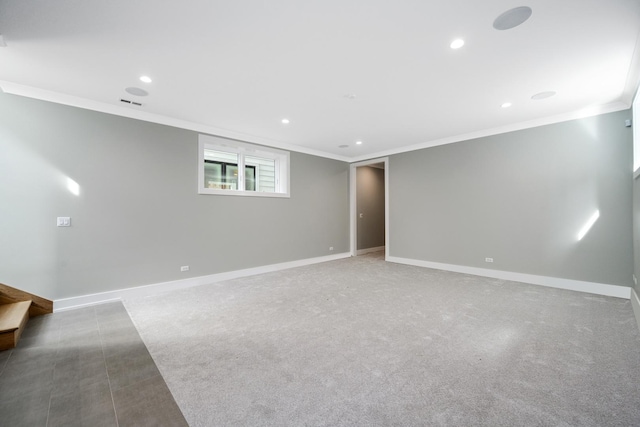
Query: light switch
<point x="64" y="221"/>
<point x="361" y="215"/>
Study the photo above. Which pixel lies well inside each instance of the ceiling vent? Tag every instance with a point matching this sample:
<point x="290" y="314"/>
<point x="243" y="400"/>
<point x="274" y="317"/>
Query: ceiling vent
<point x="126" y="101"/>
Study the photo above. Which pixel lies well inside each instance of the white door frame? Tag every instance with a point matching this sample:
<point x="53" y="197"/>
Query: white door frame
<point x="352" y="196"/>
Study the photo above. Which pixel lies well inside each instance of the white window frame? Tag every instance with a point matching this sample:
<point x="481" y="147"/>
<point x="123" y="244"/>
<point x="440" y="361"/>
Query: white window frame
<point x="243" y="149"/>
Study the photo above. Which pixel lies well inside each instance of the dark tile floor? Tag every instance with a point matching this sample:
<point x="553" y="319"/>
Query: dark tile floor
<point x="84" y="367"/>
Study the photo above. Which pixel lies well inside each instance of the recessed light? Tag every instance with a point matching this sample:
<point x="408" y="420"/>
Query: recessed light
<point x="506" y="105"/>
<point x="358" y="142"/>
<point x="137" y="91"/>
<point x="285" y="121"/>
<point x="543" y="95"/>
<point x="457" y="44"/>
<point x="512" y="18"/>
<point x="145" y="79"/>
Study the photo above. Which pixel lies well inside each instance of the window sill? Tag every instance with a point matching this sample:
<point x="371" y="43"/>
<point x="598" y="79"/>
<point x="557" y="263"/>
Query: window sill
<point x="214" y="192"/>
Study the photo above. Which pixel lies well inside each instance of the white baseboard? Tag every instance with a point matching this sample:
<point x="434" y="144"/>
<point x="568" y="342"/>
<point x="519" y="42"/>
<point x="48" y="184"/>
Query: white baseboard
<point x="635" y="304"/>
<point x="147" y="290"/>
<point x="369" y="250"/>
<point x="553" y="282"/>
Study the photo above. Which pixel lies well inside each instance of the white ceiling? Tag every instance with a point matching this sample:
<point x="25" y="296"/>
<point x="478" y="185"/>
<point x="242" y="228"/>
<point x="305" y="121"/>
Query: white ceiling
<point x="236" y="68"/>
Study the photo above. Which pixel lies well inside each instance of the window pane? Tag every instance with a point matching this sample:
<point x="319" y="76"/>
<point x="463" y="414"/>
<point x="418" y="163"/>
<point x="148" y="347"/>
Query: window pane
<point x="264" y="173"/>
<point x="250" y="178"/>
<point x="230" y="176"/>
<point x="220" y="170"/>
<point x="212" y="174"/>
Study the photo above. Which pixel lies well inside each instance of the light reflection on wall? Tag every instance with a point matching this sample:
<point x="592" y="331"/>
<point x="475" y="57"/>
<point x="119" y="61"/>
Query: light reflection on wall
<point x="587" y="226"/>
<point x="591" y="126"/>
<point x="73" y="186"/>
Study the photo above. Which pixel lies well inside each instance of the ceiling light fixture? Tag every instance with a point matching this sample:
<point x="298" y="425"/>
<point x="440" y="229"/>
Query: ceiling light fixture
<point x="358" y="142"/>
<point x="285" y="121"/>
<point x="506" y="105"/>
<point x="543" y="95"/>
<point x="512" y="18"/>
<point x="457" y="44"/>
<point x="145" y="79"/>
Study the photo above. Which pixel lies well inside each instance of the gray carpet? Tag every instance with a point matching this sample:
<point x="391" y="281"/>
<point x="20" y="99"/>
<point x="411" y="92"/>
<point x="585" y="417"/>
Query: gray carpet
<point x="362" y="342"/>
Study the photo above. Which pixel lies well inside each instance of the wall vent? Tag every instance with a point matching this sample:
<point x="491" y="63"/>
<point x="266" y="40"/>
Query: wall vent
<point x="126" y="101"/>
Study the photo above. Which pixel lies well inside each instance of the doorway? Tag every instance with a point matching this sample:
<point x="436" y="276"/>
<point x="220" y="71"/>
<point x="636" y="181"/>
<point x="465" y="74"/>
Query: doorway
<point x="369" y="206"/>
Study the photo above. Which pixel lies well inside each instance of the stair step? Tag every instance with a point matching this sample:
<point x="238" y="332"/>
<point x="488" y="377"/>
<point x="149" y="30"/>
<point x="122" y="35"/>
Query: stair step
<point x="13" y="317"/>
<point x="39" y="305"/>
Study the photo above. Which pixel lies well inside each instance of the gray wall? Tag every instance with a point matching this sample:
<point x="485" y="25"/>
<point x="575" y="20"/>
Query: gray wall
<point x="521" y="198"/>
<point x="138" y="217"/>
<point x="370" y="202"/>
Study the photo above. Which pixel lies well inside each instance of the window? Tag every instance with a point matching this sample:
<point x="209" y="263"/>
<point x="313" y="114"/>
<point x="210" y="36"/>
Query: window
<point x="235" y="168"/>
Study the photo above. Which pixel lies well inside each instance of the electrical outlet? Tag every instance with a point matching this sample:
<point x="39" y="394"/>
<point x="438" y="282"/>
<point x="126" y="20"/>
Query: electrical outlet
<point x="184" y="268"/>
<point x="64" y="221"/>
<point x="488" y="260"/>
<point x="330" y="248"/>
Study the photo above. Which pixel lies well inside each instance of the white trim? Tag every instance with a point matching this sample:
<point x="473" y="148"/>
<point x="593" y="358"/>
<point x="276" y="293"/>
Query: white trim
<point x="387" y="174"/>
<point x="136" y="113"/>
<point x="241" y="193"/>
<point x="148" y="290"/>
<point x="580" y="114"/>
<point x="631" y="85"/>
<point x="552" y="282"/>
<point x="635" y="304"/>
<point x="369" y="250"/>
<point x="353" y="223"/>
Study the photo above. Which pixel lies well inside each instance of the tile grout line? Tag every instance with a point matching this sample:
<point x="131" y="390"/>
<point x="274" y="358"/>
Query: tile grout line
<point x="49" y="408"/>
<point x="104" y="357"/>
<point x="4" y="366"/>
<point x="53" y="375"/>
